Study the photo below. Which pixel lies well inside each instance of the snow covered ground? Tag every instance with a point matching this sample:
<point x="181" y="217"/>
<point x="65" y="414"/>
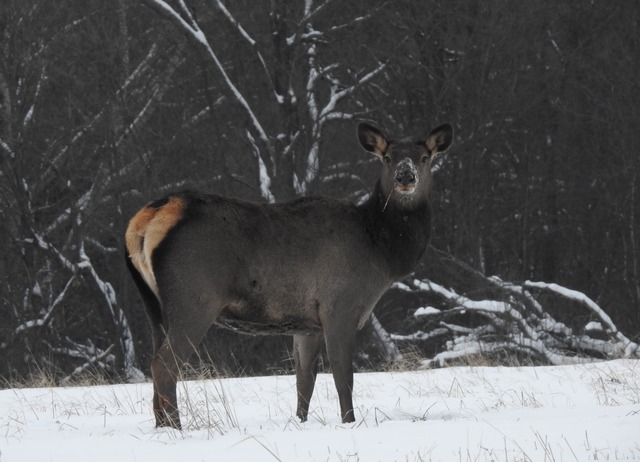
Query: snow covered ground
<point x="560" y="413"/>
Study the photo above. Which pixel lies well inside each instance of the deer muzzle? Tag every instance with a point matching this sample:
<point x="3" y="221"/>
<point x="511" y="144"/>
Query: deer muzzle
<point x="406" y="179"/>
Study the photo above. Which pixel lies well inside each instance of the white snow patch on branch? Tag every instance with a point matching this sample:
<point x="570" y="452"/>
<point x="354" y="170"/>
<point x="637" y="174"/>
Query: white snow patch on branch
<point x="426" y="311"/>
<point x="631" y="348"/>
<point x="419" y="335"/>
<point x="7" y="149"/>
<point x="264" y="178"/>
<point x="386" y="340"/>
<point x="593" y="327"/>
<point x="44" y="320"/>
<point x="126" y="337"/>
<point x="521" y="324"/>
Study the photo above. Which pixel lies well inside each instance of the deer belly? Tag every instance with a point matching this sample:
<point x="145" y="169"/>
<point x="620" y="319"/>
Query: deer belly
<point x="256" y="319"/>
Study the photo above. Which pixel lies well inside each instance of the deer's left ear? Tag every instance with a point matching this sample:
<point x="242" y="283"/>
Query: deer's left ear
<point x="439" y="139"/>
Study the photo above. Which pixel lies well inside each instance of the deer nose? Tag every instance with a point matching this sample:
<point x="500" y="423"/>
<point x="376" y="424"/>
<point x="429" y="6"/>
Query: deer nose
<point x="405" y="177"/>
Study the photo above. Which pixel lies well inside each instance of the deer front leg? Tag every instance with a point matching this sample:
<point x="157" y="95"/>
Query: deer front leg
<point x="340" y="350"/>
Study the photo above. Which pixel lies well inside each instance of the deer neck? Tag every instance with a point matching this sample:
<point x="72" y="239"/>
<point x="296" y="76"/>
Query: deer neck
<point x="400" y="232"/>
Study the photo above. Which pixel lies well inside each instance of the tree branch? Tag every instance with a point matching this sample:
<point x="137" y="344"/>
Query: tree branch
<point x="194" y="32"/>
<point x="48" y="315"/>
<point x="520" y="324"/>
<point x="252" y="43"/>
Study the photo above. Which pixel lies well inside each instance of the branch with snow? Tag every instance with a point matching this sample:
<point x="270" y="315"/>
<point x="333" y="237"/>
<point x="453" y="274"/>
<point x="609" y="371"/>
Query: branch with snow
<point x="386" y="340"/>
<point x="4" y="146"/>
<point x="263" y="172"/>
<point x="97" y="358"/>
<point x="252" y="44"/>
<point x="319" y="116"/>
<point x="631" y="348"/>
<point x="45" y="319"/>
<point x="118" y="316"/>
<point x="517" y="322"/>
<point x="84" y="265"/>
<point x="190" y="27"/>
<point x="303" y="110"/>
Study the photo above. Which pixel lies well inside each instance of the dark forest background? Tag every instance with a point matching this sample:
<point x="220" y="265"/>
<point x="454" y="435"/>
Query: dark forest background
<point x="107" y="105"/>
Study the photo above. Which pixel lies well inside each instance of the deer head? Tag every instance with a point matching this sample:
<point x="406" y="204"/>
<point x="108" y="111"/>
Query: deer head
<point x="406" y="164"/>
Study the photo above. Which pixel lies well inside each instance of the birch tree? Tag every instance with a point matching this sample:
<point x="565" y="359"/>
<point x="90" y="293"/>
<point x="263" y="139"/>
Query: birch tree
<point x="294" y="88"/>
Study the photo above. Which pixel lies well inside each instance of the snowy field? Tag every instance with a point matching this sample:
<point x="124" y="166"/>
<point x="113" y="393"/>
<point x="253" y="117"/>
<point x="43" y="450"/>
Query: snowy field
<point x="563" y="413"/>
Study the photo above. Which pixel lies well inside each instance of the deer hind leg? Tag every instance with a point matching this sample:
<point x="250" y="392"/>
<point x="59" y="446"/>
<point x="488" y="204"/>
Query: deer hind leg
<point x="162" y="420"/>
<point x="158" y="335"/>
<point x="164" y="368"/>
<point x="306" y="350"/>
<point x="175" y="350"/>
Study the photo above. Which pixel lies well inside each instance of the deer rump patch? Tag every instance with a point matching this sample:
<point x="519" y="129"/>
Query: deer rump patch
<point x="146" y="231"/>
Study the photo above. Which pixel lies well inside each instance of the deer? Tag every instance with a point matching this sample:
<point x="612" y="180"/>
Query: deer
<point x="313" y="268"/>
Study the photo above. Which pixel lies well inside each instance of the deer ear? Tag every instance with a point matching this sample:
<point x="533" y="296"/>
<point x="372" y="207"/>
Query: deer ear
<point x="439" y="139"/>
<point x="372" y="139"/>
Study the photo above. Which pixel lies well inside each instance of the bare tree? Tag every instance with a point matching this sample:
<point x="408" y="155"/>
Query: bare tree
<point x="304" y="88"/>
<point x="56" y="270"/>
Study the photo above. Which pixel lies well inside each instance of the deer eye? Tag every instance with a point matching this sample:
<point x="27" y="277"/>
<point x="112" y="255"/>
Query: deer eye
<point x="387" y="159"/>
<point x="424" y="159"/>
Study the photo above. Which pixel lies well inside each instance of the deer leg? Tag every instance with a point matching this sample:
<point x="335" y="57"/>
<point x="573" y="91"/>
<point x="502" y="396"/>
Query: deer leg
<point x="153" y="309"/>
<point x="306" y="349"/>
<point x="175" y="350"/>
<point x="164" y="369"/>
<point x="158" y="411"/>
<point x="340" y="350"/>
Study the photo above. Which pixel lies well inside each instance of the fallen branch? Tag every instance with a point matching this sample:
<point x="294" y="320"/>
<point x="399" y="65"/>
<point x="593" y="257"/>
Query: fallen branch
<point x="515" y="322"/>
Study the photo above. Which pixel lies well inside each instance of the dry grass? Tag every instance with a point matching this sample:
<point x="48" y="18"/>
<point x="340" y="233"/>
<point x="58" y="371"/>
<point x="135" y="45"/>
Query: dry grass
<point x="203" y="367"/>
<point x="49" y="377"/>
<point x="43" y="376"/>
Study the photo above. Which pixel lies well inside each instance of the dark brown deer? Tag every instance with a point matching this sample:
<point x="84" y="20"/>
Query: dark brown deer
<point x="314" y="267"/>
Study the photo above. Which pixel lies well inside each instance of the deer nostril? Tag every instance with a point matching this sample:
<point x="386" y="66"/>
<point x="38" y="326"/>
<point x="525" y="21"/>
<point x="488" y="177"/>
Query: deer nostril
<point x="405" y="177"/>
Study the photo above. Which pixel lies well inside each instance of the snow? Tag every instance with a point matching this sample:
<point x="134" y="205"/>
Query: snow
<point x="265" y="179"/>
<point x="593" y="326"/>
<point x="480" y="305"/>
<point x="426" y="311"/>
<point x="578" y="412"/>
<point x="7" y="149"/>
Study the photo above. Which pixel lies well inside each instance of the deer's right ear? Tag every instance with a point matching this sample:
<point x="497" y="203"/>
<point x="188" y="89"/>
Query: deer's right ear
<point x="372" y="139"/>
